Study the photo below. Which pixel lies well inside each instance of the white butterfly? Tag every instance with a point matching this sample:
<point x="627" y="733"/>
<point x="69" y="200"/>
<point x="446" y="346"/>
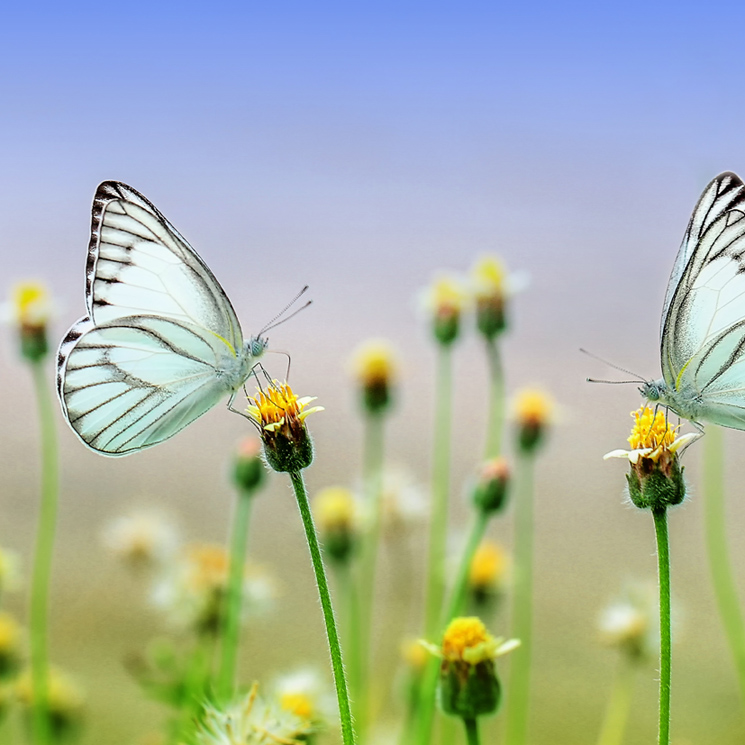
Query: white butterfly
<point x="702" y="336"/>
<point x="161" y="343"/>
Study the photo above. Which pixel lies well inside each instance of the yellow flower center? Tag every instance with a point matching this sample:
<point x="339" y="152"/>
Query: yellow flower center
<point x="651" y="430"/>
<point x="447" y="297"/>
<point x="489" y="276"/>
<point x="374" y="363"/>
<point x="488" y="565"/>
<point x="208" y="566"/>
<point x="533" y="407"/>
<point x="466" y="639"/>
<point x="31" y="303"/>
<point x="298" y="704"/>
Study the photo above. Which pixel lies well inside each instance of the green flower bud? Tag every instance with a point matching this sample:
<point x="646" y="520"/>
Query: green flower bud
<point x="490" y="492"/>
<point x="249" y="472"/>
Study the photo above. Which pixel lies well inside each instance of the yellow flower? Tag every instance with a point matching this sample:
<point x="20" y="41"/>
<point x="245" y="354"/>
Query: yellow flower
<point x="31" y="304"/>
<point x="488" y="567"/>
<point x="375" y="367"/>
<point x="65" y="699"/>
<point x="656" y="477"/>
<point x="469" y="686"/>
<point x="30" y="310"/>
<point x="445" y="301"/>
<point x="281" y="415"/>
<point x="489" y="280"/>
<point x="335" y="509"/>
<point x="652" y="436"/>
<point x="11" y="642"/>
<point x="533" y="411"/>
<point x="304" y="693"/>
<point x="414" y="654"/>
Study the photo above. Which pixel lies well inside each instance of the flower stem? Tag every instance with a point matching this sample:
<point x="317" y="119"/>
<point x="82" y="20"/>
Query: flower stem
<point x="472" y="731"/>
<point x="233" y="600"/>
<point x="460" y="589"/>
<point x="496" y="400"/>
<point x="373" y="478"/>
<point x="518" y="704"/>
<point x="340" y="681"/>
<point x="663" y="561"/>
<point x="619" y="705"/>
<point x="716" y="545"/>
<point x="43" y="558"/>
<point x="351" y="631"/>
<point x="440" y="493"/>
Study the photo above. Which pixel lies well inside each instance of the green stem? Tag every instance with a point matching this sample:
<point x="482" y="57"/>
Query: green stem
<point x="518" y="703"/>
<point x="496" y="401"/>
<point x="440" y="493"/>
<point x="373" y="486"/>
<point x="340" y="681"/>
<point x="722" y="577"/>
<point x="195" y="687"/>
<point x="460" y="589"/>
<point x="234" y="597"/>
<point x="428" y="692"/>
<point x="663" y="561"/>
<point x="619" y="704"/>
<point x="42" y="569"/>
<point x="351" y="632"/>
<point x="472" y="731"/>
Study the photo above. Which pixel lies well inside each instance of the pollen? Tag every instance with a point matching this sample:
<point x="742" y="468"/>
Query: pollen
<point x="651" y="430"/>
<point x="278" y="406"/>
<point x="466" y="639"/>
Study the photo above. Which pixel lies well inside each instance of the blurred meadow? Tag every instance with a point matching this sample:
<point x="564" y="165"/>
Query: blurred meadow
<point x="363" y="150"/>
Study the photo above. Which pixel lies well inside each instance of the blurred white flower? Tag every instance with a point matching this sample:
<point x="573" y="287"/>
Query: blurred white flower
<point x="631" y="622"/>
<point x="305" y="693"/>
<point x="142" y="539"/>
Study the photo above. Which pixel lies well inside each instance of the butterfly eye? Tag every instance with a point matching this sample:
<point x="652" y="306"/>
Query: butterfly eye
<point x="258" y="346"/>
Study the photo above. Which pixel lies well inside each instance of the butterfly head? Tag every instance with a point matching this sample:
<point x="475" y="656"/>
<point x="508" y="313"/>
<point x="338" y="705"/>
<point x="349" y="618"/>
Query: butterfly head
<point x="256" y="346"/>
<point x="653" y="390"/>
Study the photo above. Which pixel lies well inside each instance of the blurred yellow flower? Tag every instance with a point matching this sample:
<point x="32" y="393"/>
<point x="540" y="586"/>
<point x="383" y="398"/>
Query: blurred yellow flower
<point x="64" y="697"/>
<point x="31" y="305"/>
<point x="533" y="407"/>
<point x="305" y="694"/>
<point x="375" y="368"/>
<point x="335" y="509"/>
<point x="445" y="301"/>
<point x="11" y="645"/>
<point x="488" y="567"/>
<point x="142" y="540"/>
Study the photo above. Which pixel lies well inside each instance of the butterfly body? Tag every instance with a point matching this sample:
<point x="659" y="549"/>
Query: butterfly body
<point x="161" y="343"/>
<point x="702" y="335"/>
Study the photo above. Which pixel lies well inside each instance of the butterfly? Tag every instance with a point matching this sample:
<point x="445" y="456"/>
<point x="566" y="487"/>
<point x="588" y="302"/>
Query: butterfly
<point x="702" y="334"/>
<point x="160" y="344"/>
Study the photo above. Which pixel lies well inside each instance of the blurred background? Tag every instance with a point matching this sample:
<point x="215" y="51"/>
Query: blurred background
<point x="361" y="149"/>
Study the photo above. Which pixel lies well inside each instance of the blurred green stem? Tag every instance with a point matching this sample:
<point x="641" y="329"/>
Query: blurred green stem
<point x="233" y="600"/>
<point x="351" y="630"/>
<point x="373" y="486"/>
<point x="337" y="664"/>
<point x="472" y="731"/>
<point x="663" y="562"/>
<point x="42" y="569"/>
<point x="496" y="400"/>
<point x="722" y="577"/>
<point x="440" y="492"/>
<point x="619" y="704"/>
<point x="518" y="702"/>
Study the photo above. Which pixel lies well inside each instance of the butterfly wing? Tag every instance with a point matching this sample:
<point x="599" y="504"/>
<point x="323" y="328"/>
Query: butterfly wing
<point x="132" y="382"/>
<point x="702" y="341"/>
<point x="161" y="343"/>
<point x="138" y="263"/>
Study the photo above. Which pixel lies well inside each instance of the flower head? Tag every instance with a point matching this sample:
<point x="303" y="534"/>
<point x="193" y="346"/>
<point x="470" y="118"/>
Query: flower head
<point x="489" y="279"/>
<point x="337" y="518"/>
<point x="445" y="301"/>
<point x="248" y="469"/>
<point x="490" y="491"/>
<point x="65" y="700"/>
<point x="281" y="415"/>
<point x="656" y="477"/>
<point x="142" y="540"/>
<point x="304" y="693"/>
<point x="488" y="570"/>
<point x="251" y="721"/>
<point x="192" y="592"/>
<point x="376" y="369"/>
<point x="11" y="643"/>
<point x="533" y="411"/>
<point x="469" y="686"/>
<point x="631" y="622"/>
<point x="30" y="310"/>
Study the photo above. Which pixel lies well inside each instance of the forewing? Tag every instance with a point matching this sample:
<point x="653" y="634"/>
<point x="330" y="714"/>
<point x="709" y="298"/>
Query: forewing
<point x="130" y="383"/>
<point x="706" y="292"/>
<point x="138" y="263"/>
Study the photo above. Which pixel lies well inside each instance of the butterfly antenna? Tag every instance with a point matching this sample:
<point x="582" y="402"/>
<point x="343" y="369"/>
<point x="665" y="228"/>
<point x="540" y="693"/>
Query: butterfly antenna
<point x="637" y="378"/>
<point x="278" y="318"/>
<point x="610" y="382"/>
